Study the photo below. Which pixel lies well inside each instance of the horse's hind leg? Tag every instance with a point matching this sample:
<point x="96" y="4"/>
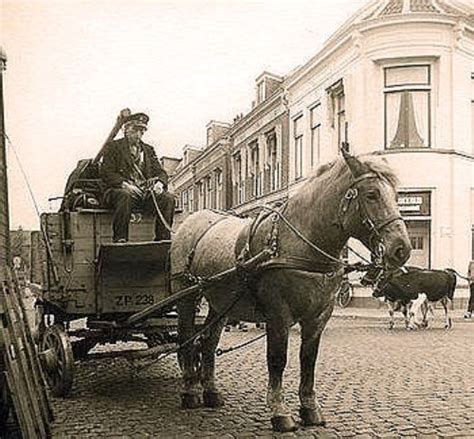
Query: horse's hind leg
<point x="188" y="357"/>
<point x="277" y="347"/>
<point x="211" y="397"/>
<point x="447" y="320"/>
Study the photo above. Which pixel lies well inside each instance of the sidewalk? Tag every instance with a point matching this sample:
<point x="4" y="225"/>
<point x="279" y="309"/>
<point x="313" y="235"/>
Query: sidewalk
<point x="382" y="313"/>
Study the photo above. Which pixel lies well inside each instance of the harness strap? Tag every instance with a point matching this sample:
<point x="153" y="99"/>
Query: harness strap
<point x="297" y="263"/>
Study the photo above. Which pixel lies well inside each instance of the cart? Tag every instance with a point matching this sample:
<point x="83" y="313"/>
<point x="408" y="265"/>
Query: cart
<point x="90" y="286"/>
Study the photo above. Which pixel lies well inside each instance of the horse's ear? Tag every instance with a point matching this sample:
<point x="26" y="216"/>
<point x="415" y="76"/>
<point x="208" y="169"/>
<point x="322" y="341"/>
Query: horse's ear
<point x="356" y="167"/>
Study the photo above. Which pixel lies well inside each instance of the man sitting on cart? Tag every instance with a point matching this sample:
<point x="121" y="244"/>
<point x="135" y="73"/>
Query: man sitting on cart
<point x="135" y="180"/>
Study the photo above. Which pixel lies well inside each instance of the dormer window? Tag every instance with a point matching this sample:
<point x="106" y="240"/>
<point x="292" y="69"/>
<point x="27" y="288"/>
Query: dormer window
<point x="260" y="92"/>
<point x="209" y="138"/>
<point x="267" y="84"/>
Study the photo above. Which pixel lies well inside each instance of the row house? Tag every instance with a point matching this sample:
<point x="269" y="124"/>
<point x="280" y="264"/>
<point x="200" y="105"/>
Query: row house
<point x="202" y="179"/>
<point x="397" y="79"/>
<point x="259" y="148"/>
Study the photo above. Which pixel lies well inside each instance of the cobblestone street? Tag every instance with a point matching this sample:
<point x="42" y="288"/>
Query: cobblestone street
<point x="371" y="381"/>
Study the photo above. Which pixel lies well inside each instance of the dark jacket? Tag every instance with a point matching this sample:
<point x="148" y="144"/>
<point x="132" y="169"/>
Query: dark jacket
<point x="117" y="164"/>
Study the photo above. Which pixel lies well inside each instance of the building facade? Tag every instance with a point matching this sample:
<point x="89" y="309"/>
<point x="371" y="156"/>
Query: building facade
<point x="259" y="149"/>
<point x="398" y="80"/>
<point x="202" y="180"/>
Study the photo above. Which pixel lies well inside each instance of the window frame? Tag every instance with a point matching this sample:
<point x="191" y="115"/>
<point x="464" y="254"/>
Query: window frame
<point x="410" y="88"/>
<point x="298" y="142"/>
<point x="315" y="127"/>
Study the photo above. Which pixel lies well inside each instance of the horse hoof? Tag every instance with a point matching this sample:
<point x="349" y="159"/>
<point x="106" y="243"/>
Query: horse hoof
<point x="283" y="424"/>
<point x="312" y="417"/>
<point x="212" y="399"/>
<point x="190" y="401"/>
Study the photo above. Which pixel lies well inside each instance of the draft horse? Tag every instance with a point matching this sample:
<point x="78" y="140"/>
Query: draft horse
<point x="350" y="197"/>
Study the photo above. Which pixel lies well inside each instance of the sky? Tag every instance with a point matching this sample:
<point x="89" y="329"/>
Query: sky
<point x="74" y="64"/>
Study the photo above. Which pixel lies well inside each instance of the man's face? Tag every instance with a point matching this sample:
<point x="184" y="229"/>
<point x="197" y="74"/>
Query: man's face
<point x="134" y="133"/>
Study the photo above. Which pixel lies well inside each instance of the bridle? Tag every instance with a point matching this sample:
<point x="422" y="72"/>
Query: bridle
<point x="374" y="228"/>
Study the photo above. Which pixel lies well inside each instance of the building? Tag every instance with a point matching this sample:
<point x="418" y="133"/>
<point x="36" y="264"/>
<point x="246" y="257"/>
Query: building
<point x="202" y="180"/>
<point x="397" y="79"/>
<point x="259" y="148"/>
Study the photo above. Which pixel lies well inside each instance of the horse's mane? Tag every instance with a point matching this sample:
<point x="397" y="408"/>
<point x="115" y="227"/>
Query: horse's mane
<point x="372" y="162"/>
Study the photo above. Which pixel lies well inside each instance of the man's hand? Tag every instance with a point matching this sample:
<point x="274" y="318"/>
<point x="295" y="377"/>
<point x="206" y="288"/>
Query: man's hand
<point x="135" y="190"/>
<point x="158" y="187"/>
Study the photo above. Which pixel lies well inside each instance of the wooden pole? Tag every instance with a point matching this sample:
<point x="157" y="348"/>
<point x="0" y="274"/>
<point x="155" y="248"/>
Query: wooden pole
<point x="4" y="210"/>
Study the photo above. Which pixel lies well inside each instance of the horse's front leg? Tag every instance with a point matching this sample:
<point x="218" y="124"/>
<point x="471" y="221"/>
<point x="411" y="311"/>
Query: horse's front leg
<point x="188" y="356"/>
<point x="211" y="397"/>
<point x="277" y="347"/>
<point x="311" y="331"/>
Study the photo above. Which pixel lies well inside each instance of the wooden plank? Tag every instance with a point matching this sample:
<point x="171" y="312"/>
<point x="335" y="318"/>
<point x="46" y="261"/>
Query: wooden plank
<point x="23" y="371"/>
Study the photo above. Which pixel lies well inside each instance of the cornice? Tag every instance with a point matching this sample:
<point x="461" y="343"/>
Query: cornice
<point x="355" y="31"/>
<point x="248" y="119"/>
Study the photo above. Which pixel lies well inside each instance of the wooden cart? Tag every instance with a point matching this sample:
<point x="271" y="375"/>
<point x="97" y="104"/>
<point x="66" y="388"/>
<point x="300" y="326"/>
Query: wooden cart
<point x="91" y="286"/>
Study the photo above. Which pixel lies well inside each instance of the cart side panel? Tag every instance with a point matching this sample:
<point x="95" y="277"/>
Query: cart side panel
<point x="75" y="242"/>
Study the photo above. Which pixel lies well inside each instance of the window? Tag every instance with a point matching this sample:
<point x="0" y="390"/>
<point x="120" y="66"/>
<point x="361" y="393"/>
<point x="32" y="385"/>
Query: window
<point x="209" y="198"/>
<point x="272" y="166"/>
<point x="298" y="135"/>
<point x="407" y="106"/>
<point x="255" y="174"/>
<point x="201" y="193"/>
<point x="472" y="112"/>
<point x="337" y="103"/>
<point x="315" y="153"/>
<point x="218" y="186"/>
<point x="191" y="199"/>
<point x="237" y="179"/>
<point x="184" y="197"/>
<point x="341" y="119"/>
<point x="417" y="242"/>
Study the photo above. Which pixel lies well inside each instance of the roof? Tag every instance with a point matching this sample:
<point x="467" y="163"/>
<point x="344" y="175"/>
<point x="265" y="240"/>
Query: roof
<point x="390" y="8"/>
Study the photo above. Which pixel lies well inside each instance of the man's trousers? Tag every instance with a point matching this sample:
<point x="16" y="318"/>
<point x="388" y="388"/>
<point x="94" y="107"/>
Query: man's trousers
<point x="124" y="202"/>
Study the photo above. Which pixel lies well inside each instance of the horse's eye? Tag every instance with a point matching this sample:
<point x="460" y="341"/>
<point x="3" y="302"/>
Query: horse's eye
<point x="372" y="195"/>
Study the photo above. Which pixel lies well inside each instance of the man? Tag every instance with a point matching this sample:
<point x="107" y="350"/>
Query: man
<point x="131" y="172"/>
<point x="470" y="305"/>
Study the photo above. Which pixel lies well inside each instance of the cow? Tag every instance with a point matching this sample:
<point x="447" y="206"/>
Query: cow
<point x="414" y="291"/>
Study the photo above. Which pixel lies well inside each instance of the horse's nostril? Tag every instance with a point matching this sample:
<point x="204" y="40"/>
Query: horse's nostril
<point x="401" y="253"/>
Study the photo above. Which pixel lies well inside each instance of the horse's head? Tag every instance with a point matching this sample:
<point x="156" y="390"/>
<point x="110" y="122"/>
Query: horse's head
<point x="369" y="210"/>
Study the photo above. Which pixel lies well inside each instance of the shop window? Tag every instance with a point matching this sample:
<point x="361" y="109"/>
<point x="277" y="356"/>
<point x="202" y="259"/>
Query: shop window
<point x="407" y="95"/>
<point x="315" y="153"/>
<point x="298" y="137"/>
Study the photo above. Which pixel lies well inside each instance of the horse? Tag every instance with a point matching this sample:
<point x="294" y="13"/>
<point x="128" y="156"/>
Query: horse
<point x="348" y="197"/>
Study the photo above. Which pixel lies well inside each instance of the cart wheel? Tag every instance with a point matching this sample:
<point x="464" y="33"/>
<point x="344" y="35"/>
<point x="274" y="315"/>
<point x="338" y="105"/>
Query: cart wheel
<point x="57" y="360"/>
<point x="344" y="295"/>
